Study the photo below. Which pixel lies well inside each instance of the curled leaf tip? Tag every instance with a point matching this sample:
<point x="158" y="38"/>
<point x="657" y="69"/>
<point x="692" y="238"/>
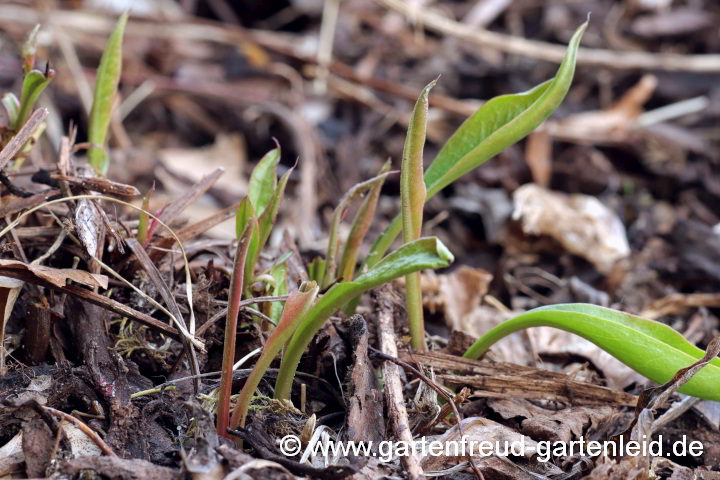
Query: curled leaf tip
<point x="444" y="253"/>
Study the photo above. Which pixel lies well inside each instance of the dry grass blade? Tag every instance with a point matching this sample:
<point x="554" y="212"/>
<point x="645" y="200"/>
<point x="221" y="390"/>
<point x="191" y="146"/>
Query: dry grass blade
<point x="25" y="134"/>
<point x="188" y="278"/>
<point x="168" y="298"/>
<point x="173" y="209"/>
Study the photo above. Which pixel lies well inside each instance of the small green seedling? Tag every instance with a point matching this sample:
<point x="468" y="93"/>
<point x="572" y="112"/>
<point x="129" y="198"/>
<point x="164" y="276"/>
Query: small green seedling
<point x="651" y="348"/>
<point x="501" y="122"/>
<point x="297" y="305"/>
<point x="498" y="124"/>
<point x="421" y="254"/>
<point x="34" y="83"/>
<point x="106" y="86"/>
<point x="412" y="195"/>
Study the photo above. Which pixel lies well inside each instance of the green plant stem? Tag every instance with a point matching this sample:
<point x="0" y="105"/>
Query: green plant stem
<point x="419" y="255"/>
<point x="416" y="321"/>
<point x="295" y="307"/>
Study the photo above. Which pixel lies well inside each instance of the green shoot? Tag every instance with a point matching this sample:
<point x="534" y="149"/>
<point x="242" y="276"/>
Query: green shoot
<point x="296" y="307"/>
<point x="279" y="273"/>
<point x="498" y="124"/>
<point x="316" y="270"/>
<point x="106" y="86"/>
<point x="34" y="83"/>
<point x="245" y="219"/>
<point x="421" y="254"/>
<point x="412" y="194"/>
<point x="651" y="348"/>
<point x="359" y="228"/>
<point x="350" y="195"/>
<point x="235" y="297"/>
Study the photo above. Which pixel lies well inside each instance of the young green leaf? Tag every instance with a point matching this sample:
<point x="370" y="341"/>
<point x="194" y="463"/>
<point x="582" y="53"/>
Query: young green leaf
<point x="106" y="86"/>
<point x="316" y="270"/>
<point x="412" y="195"/>
<point x="359" y="228"/>
<point x="279" y="273"/>
<point x="12" y="107"/>
<point x="350" y="195"/>
<point x="498" y="124"/>
<point x="650" y="348"/>
<point x="33" y="85"/>
<point x="421" y="254"/>
<point x="296" y="307"/>
<point x="235" y="297"/>
<point x="245" y="219"/>
<point x="263" y="181"/>
<point x="268" y="217"/>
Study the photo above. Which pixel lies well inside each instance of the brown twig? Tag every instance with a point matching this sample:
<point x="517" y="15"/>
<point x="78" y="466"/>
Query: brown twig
<point x="393" y="386"/>
<point x="21" y="138"/>
<point x="85" y="429"/>
<point x="435" y="387"/>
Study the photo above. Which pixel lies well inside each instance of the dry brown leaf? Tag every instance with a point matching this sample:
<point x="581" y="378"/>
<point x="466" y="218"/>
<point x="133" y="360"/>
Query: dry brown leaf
<point x="477" y="430"/>
<point x="456" y="293"/>
<point x="554" y="425"/>
<point x="580" y="223"/>
<point x="56" y="276"/>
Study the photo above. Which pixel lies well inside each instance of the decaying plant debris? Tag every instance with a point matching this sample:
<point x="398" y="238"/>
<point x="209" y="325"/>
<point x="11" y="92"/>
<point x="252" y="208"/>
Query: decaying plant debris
<point x="197" y="197"/>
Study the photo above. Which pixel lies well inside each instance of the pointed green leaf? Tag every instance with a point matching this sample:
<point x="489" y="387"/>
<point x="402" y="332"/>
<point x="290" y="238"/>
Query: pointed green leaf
<point x="418" y="255"/>
<point x="268" y="217"/>
<point x="296" y="307"/>
<point x="245" y="218"/>
<point x="498" y="124"/>
<point x="33" y="85"/>
<point x="263" y="181"/>
<point x="350" y="195"/>
<point x="106" y="86"/>
<point x="316" y="270"/>
<point x="412" y="187"/>
<point x="359" y="228"/>
<point x="279" y="273"/>
<point x="412" y="194"/>
<point x="651" y="348"/>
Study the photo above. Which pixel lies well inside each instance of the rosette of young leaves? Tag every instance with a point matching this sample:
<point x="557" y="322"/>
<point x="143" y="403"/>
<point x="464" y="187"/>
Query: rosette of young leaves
<point x="297" y="305"/>
<point x="651" y="348"/>
<point x="420" y="254"/>
<point x="106" y="86"/>
<point x="412" y="195"/>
